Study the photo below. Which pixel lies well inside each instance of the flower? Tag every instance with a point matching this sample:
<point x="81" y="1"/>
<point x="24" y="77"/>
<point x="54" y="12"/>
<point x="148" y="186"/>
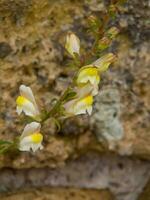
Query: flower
<point x="79" y="106"/>
<point x="83" y="102"/>
<point x="26" y="102"/>
<point x="31" y="138"/>
<point x="89" y="74"/>
<point x="72" y="44"/>
<point x="103" y="63"/>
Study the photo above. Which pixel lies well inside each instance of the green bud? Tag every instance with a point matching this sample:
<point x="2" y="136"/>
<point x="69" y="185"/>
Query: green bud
<point x="112" y="32"/>
<point x="112" y="10"/>
<point x="104" y="43"/>
<point x="92" y="20"/>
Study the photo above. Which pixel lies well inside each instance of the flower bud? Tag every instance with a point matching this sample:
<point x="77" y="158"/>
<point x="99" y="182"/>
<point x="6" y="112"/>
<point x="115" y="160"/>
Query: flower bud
<point x="103" y="63"/>
<point x="104" y="43"/>
<point x="112" y="32"/>
<point x="92" y="20"/>
<point x="72" y="44"/>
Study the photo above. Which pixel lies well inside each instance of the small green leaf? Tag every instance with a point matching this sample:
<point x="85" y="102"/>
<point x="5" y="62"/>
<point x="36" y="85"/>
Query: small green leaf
<point x="70" y="94"/>
<point x="3" y="142"/>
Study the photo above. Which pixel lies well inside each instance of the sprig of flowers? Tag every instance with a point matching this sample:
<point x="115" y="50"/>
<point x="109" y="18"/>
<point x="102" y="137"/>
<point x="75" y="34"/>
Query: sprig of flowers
<point x="75" y="101"/>
<point x="78" y="98"/>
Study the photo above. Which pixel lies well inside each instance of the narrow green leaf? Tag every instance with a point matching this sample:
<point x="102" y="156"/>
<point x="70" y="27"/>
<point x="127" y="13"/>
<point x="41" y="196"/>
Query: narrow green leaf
<point x="3" y="142"/>
<point x="69" y="95"/>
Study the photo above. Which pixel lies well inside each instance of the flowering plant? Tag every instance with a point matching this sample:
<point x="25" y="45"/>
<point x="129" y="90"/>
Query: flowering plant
<point x="79" y="97"/>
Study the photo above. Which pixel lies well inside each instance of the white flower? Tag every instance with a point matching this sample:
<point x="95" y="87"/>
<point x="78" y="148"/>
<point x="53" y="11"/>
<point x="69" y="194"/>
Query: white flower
<point x="79" y="106"/>
<point x="82" y="104"/>
<point x="72" y="44"/>
<point x="31" y="138"/>
<point x="26" y="102"/>
<point x="89" y="74"/>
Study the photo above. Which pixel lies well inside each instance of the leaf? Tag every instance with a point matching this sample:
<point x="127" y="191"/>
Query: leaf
<point x="3" y="142"/>
<point x="69" y="95"/>
<point x="4" y="147"/>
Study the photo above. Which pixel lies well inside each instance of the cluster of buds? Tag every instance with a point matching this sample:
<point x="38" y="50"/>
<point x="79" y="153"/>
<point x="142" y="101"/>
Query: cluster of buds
<point x="85" y="87"/>
<point x="107" y="39"/>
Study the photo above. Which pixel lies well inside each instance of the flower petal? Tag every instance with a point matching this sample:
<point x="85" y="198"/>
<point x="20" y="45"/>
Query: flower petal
<point x="31" y="128"/>
<point x="29" y="109"/>
<point x="86" y="89"/>
<point x="27" y="93"/>
<point x="89" y="110"/>
<point x="26" y="144"/>
<point x="104" y="62"/>
<point x="88" y="73"/>
<point x="79" y="106"/>
<point x="19" y="110"/>
<point x="35" y="147"/>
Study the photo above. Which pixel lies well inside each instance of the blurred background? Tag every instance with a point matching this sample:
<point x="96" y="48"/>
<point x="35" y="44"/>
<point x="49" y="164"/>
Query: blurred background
<point x="102" y="157"/>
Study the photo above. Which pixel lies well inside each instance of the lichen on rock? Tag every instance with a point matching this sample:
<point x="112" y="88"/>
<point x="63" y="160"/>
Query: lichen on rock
<point x="106" y="118"/>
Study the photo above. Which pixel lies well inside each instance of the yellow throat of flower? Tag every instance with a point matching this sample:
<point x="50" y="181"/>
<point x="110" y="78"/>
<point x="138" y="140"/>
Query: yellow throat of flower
<point x="88" y="100"/>
<point x="36" y="138"/>
<point x="21" y="100"/>
<point x="88" y="74"/>
<point x="89" y="71"/>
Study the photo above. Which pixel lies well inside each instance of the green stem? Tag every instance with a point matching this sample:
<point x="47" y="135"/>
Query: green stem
<point x="55" y="110"/>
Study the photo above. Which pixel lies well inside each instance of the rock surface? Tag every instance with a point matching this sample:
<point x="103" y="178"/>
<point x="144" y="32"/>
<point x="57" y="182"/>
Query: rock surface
<point x="124" y="177"/>
<point x="146" y="193"/>
<point x="60" y="194"/>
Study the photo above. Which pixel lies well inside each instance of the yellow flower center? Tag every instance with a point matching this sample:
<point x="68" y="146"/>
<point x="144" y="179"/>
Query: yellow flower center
<point x="89" y="71"/>
<point x="88" y="100"/>
<point x="21" y="100"/>
<point x="36" y="138"/>
<point x="88" y="74"/>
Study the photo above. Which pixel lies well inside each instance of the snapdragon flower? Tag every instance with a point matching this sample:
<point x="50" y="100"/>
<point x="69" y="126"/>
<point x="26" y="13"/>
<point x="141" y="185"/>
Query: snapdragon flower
<point x="31" y="138"/>
<point x="79" y="106"/>
<point x="72" y="44"/>
<point x="89" y="74"/>
<point x="82" y="103"/>
<point x="26" y="102"/>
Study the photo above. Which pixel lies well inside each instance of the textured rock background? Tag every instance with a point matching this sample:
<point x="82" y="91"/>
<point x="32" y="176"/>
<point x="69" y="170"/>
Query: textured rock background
<point x="31" y="52"/>
<point x="61" y="193"/>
